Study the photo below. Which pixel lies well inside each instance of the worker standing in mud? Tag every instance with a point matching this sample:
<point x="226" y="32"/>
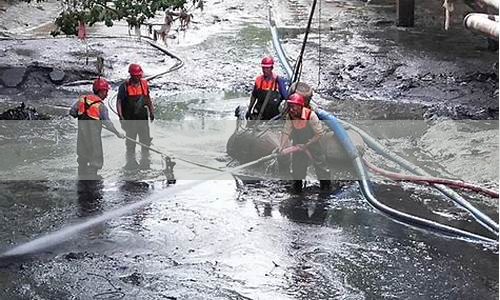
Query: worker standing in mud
<point x="268" y="92"/>
<point x="304" y="128"/>
<point x="92" y="115"/>
<point x="134" y="105"/>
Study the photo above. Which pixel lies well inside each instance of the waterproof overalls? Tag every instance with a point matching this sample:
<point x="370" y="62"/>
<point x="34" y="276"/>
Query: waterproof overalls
<point x="301" y="133"/>
<point x="133" y="100"/>
<point x="89" y="144"/>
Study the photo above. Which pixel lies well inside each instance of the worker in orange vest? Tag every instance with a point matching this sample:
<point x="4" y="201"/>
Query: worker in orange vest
<point x="92" y="115"/>
<point x="134" y="105"/>
<point x="268" y="92"/>
<point x="304" y="128"/>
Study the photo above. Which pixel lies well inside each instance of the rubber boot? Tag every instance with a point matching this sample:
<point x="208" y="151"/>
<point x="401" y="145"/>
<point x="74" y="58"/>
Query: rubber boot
<point x="82" y="171"/>
<point x="145" y="162"/>
<point x="297" y="186"/>
<point x="325" y="185"/>
<point x="92" y="174"/>
<point x="131" y="163"/>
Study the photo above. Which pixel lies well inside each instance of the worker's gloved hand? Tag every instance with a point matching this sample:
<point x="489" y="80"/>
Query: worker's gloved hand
<point x="120" y="135"/>
<point x="301" y="146"/>
<point x="247" y="115"/>
<point x="152" y="117"/>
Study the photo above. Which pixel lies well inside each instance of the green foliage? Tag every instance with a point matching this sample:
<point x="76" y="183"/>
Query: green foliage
<point x="134" y="12"/>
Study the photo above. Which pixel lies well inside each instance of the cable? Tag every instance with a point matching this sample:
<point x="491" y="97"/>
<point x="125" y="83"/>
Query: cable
<point x="298" y="66"/>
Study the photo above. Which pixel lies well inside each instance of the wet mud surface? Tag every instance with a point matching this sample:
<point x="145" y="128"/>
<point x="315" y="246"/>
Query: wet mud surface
<point x="228" y="239"/>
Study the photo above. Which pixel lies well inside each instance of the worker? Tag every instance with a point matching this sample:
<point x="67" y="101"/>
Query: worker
<point x="92" y="115"/>
<point x="268" y="92"/>
<point x="304" y="128"/>
<point x="134" y="105"/>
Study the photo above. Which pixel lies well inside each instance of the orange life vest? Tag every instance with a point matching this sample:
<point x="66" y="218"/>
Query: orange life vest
<point x="136" y="91"/>
<point x="133" y="108"/>
<point x="89" y="107"/>
<point x="304" y="118"/>
<point x="267" y="85"/>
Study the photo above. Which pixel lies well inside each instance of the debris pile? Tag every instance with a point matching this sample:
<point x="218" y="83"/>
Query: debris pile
<point x="23" y="112"/>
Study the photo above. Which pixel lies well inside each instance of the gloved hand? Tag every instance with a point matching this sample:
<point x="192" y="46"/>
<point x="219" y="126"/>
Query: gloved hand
<point x="120" y="135"/>
<point x="301" y="146"/>
<point x="152" y="117"/>
<point x="247" y="115"/>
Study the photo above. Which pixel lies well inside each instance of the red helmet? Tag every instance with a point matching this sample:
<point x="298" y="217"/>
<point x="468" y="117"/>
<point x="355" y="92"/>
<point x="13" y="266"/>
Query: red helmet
<point x="135" y="70"/>
<point x="100" y="84"/>
<point x="267" y="62"/>
<point x="296" y="99"/>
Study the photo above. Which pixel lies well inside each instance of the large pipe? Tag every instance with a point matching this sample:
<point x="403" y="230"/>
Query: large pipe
<point x="279" y="49"/>
<point x="483" y="24"/>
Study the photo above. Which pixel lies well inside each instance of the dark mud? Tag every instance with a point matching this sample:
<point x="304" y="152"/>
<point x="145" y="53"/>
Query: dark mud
<point x="369" y="67"/>
<point x="227" y="240"/>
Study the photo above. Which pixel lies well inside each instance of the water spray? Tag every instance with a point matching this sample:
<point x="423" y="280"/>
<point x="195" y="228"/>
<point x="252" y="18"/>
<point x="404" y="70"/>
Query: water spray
<point x="62" y="235"/>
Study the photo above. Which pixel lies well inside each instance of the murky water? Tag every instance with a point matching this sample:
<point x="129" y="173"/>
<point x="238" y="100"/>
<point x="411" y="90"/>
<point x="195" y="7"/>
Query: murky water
<point x="224" y="239"/>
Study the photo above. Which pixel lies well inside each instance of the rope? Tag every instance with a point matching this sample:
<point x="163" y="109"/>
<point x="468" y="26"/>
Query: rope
<point x="319" y="45"/>
<point x="298" y="65"/>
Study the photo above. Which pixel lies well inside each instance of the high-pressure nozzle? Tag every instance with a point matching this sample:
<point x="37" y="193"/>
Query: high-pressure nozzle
<point x="169" y="170"/>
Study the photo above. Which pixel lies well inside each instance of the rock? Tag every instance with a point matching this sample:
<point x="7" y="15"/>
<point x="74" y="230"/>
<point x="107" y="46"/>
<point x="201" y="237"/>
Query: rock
<point x="134" y="278"/>
<point x="216" y="19"/>
<point x="383" y="22"/>
<point x="13" y="77"/>
<point x="74" y="255"/>
<point x="56" y="76"/>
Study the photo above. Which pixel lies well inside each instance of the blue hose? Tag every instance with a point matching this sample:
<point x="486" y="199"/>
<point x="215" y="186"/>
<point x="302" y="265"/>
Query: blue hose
<point x="340" y="133"/>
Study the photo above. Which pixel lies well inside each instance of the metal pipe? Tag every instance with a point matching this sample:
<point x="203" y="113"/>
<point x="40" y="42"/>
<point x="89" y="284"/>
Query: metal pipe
<point x="483" y="24"/>
<point x="279" y="49"/>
